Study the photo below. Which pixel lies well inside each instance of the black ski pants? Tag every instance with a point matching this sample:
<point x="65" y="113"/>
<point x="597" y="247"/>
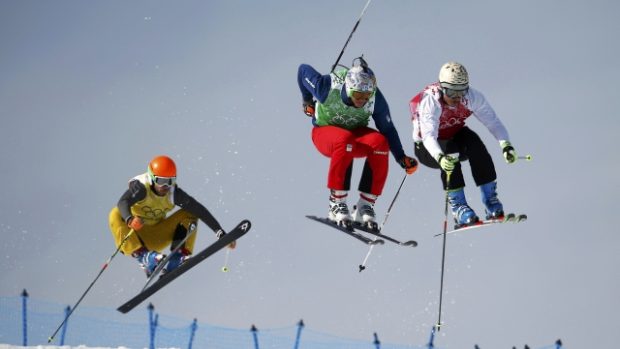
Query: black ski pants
<point x="470" y="147"/>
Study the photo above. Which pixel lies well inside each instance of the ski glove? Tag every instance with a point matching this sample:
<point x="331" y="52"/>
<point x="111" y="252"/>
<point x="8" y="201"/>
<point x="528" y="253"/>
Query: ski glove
<point x="220" y="234"/>
<point x="309" y="107"/>
<point x="447" y="162"/>
<point x="135" y="223"/>
<point x="409" y="164"/>
<point x="509" y="152"/>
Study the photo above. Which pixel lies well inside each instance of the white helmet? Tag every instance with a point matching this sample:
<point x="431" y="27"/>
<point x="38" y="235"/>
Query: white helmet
<point x="360" y="79"/>
<point x="453" y="76"/>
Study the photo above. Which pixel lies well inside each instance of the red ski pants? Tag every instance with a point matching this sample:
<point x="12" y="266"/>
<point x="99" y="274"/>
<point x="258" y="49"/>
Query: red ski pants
<point x="342" y="146"/>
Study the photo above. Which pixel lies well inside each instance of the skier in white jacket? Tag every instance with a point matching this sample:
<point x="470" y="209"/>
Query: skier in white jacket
<point x="439" y="113"/>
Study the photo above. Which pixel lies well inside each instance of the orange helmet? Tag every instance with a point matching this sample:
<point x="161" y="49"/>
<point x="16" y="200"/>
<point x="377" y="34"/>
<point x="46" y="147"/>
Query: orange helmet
<point x="162" y="166"/>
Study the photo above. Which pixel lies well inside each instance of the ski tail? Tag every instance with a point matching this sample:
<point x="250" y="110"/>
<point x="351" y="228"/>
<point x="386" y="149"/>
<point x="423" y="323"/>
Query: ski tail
<point x="378" y="233"/>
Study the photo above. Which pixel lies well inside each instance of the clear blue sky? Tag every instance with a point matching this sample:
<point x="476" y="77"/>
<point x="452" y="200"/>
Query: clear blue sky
<point x="90" y="91"/>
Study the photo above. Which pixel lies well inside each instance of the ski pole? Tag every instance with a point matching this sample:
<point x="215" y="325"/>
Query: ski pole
<point x="225" y="267"/>
<point x="527" y="157"/>
<point x="443" y="252"/>
<point x="105" y="265"/>
<point x="387" y="214"/>
<point x="350" y="35"/>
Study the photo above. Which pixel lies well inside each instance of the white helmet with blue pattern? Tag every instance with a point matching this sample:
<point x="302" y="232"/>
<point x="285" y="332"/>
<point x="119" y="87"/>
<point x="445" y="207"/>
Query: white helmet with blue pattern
<point x="360" y="79"/>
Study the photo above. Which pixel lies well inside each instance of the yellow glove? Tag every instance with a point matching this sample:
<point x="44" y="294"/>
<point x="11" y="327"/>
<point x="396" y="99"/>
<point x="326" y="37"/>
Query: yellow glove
<point x="447" y="162"/>
<point x="509" y="152"/>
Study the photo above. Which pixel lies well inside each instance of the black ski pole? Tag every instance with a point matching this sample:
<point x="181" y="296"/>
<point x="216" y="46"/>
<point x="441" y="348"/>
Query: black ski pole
<point x="443" y="253"/>
<point x="105" y="265"/>
<point x="350" y="35"/>
<point x="387" y="214"/>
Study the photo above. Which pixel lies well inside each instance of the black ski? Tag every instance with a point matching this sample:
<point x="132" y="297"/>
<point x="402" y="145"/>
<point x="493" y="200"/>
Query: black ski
<point x="164" y="261"/>
<point x="368" y="230"/>
<point x="348" y="231"/>
<point x="233" y="235"/>
<point x="508" y="218"/>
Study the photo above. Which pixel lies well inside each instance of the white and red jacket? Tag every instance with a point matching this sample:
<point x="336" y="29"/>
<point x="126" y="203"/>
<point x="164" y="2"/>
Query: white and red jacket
<point x="433" y="119"/>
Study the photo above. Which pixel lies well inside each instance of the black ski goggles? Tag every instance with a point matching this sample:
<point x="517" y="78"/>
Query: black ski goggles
<point x="454" y="93"/>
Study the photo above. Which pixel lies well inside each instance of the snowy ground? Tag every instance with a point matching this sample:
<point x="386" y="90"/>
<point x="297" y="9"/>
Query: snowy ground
<point x="6" y="346"/>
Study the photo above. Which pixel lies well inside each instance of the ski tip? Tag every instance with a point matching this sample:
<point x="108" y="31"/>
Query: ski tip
<point x="245" y="225"/>
<point x="412" y="243"/>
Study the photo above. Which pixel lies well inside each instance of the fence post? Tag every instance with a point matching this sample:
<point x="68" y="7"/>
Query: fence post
<point x="376" y="342"/>
<point x="430" y="344"/>
<point x="300" y="325"/>
<point x="64" y="326"/>
<point x="24" y="317"/>
<point x="193" y="328"/>
<point x="152" y="325"/>
<point x="558" y="344"/>
<point x="255" y="336"/>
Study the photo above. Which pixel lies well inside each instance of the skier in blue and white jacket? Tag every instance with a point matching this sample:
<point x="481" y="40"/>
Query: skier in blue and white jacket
<point x="341" y="105"/>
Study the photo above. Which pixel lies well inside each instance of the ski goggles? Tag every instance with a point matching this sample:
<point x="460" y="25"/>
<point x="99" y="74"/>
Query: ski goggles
<point x="357" y="95"/>
<point x="454" y="93"/>
<point x="164" y="181"/>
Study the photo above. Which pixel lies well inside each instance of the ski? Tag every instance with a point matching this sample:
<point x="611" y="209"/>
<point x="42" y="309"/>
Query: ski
<point x="240" y="230"/>
<point x="164" y="261"/>
<point x="368" y="230"/>
<point x="508" y="218"/>
<point x="348" y="231"/>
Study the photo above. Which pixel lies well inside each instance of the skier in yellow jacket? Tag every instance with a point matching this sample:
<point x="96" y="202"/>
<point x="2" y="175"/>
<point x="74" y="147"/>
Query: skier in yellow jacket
<point x="144" y="207"/>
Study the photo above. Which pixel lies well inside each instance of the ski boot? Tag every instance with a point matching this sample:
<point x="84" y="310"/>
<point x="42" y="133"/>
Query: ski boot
<point x="338" y="209"/>
<point x="364" y="212"/>
<point x="148" y="260"/>
<point x="179" y="257"/>
<point x="463" y="214"/>
<point x="494" y="208"/>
